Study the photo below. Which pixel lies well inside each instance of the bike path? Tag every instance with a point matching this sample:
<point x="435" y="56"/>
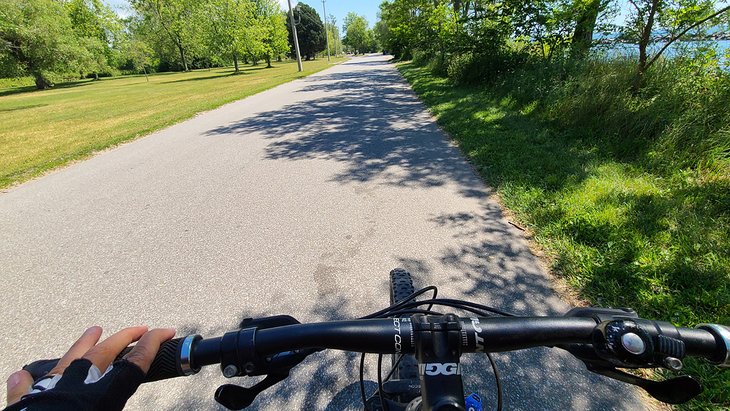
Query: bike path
<point x="298" y="200"/>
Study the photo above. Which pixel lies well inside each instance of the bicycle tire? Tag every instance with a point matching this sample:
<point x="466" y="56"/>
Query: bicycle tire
<point x="401" y="286"/>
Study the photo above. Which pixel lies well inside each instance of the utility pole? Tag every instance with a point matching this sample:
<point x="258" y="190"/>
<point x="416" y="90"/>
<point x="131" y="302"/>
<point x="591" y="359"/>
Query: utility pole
<point x="296" y="39"/>
<point x="326" y="34"/>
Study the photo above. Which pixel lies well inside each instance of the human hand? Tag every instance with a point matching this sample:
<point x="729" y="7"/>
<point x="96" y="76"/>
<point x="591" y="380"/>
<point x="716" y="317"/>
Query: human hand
<point x="85" y="384"/>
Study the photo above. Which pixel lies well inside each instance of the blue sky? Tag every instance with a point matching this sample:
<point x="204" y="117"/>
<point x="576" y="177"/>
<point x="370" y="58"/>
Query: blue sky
<point x="340" y="8"/>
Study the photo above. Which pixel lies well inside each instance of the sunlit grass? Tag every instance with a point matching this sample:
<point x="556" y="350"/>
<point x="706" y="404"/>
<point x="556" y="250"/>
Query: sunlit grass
<point x="40" y="130"/>
<point x="621" y="230"/>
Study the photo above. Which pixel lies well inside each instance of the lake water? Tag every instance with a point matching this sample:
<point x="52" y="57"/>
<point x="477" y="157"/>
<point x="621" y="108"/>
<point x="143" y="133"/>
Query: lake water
<point x="722" y="47"/>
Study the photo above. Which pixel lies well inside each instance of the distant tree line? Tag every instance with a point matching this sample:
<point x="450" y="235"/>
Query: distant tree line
<point x="488" y="35"/>
<point x="57" y="39"/>
<point x="359" y="37"/>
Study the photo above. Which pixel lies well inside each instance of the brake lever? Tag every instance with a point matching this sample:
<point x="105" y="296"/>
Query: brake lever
<point x="672" y="391"/>
<point x="621" y="339"/>
<point x="239" y="357"/>
<point x="235" y="397"/>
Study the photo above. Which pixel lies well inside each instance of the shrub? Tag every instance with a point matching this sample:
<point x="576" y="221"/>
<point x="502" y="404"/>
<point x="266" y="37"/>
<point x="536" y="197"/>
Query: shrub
<point x="438" y="65"/>
<point x="421" y="57"/>
<point x="474" y="68"/>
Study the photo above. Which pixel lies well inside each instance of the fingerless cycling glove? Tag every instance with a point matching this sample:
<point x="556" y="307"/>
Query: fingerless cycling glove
<point x="83" y="388"/>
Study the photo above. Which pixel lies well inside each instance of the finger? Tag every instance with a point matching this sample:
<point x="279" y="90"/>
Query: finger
<point x="146" y="349"/>
<point x="19" y="384"/>
<point x="106" y="351"/>
<point x="87" y="340"/>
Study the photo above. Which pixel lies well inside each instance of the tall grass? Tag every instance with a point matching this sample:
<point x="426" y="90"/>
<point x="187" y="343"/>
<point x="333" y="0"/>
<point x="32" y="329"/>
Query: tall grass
<point x="629" y="193"/>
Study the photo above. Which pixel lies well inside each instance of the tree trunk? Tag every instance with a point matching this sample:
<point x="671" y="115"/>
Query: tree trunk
<point x="643" y="45"/>
<point x="41" y="82"/>
<point x="268" y="61"/>
<point x="278" y="58"/>
<point x="583" y="34"/>
<point x="81" y="75"/>
<point x="96" y="76"/>
<point x="144" y="69"/>
<point x="235" y="63"/>
<point x="182" y="57"/>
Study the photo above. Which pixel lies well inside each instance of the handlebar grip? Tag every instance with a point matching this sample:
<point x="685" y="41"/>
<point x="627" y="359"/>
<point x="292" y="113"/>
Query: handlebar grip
<point x="172" y="360"/>
<point x="167" y="363"/>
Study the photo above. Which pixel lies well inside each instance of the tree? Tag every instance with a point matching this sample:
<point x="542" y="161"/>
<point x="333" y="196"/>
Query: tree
<point x="430" y="26"/>
<point x="382" y="34"/>
<point x="178" y="19"/>
<point x="165" y="54"/>
<point x="402" y="19"/>
<point x="272" y="20"/>
<point x="231" y="28"/>
<point x="674" y="18"/>
<point x="586" y="16"/>
<point x="310" y="31"/>
<point x="137" y="54"/>
<point x="97" y="28"/>
<point x="550" y="26"/>
<point x="334" y="35"/>
<point x="36" y="38"/>
<point x="356" y="33"/>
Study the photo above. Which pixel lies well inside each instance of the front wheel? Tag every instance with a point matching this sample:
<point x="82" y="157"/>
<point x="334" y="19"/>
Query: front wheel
<point x="401" y="287"/>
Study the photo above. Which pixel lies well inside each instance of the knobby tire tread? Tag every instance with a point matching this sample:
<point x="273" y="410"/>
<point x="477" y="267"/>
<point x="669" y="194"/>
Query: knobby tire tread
<point x="401" y="286"/>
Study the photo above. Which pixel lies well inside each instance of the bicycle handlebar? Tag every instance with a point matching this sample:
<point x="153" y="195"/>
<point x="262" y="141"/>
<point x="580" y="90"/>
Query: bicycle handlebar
<point x="185" y="356"/>
<point x="479" y="334"/>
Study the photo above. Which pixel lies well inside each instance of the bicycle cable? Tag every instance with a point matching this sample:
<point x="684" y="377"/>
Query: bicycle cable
<point x="380" y="314"/>
<point x="384" y="313"/>
<point x="410" y="306"/>
<point x="497" y="380"/>
<point x="380" y="384"/>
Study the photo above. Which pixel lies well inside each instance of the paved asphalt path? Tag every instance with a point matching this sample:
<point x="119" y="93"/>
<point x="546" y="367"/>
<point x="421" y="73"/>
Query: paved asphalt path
<point x="298" y="200"/>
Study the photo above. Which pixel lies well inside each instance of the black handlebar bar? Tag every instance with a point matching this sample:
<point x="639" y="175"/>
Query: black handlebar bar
<point x="492" y="334"/>
<point x="186" y="355"/>
<point x="603" y="339"/>
<point x="389" y="336"/>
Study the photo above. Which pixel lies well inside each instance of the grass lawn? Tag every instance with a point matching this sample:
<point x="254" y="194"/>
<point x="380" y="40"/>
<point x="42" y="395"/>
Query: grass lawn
<point x="619" y="232"/>
<point x="40" y="130"/>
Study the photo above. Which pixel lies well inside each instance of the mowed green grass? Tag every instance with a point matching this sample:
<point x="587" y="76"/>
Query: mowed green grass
<point x="620" y="233"/>
<point x="41" y="130"/>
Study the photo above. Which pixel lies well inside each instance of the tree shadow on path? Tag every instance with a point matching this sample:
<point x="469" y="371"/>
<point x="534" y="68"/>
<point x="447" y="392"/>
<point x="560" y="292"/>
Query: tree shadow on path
<point x="367" y="124"/>
<point x="374" y="127"/>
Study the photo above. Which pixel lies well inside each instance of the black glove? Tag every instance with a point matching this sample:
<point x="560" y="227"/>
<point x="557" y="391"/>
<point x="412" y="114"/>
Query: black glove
<point x="78" y="390"/>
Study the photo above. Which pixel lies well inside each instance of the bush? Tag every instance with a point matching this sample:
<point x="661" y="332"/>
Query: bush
<point x="462" y="70"/>
<point x="439" y="66"/>
<point x="474" y="68"/>
<point x="105" y="73"/>
<point x="421" y="57"/>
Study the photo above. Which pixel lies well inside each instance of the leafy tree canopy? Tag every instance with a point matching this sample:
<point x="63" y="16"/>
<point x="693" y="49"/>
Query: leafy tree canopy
<point x="37" y="38"/>
<point x="310" y="31"/>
